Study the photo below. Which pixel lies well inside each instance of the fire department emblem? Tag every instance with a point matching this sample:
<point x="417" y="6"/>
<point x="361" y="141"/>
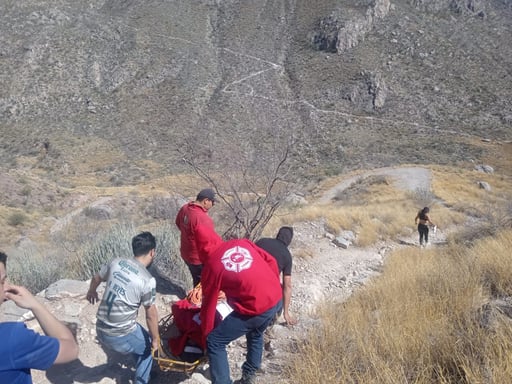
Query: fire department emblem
<point x="236" y="259"/>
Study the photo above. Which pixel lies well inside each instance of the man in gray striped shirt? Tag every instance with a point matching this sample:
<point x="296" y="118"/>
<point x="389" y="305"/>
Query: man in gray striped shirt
<point x="129" y="285"/>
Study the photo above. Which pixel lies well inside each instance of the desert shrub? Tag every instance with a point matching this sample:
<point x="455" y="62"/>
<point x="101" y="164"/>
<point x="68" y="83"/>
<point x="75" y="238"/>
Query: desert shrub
<point x="26" y="190"/>
<point x="423" y="197"/>
<point x="34" y="270"/>
<point x="168" y="263"/>
<point x="165" y="208"/>
<point x="116" y="242"/>
<point x="487" y="220"/>
<point x="108" y="245"/>
<point x="16" y="218"/>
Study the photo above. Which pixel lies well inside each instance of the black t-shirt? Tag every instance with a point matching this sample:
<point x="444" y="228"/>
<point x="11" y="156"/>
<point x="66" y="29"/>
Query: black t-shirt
<point x="280" y="252"/>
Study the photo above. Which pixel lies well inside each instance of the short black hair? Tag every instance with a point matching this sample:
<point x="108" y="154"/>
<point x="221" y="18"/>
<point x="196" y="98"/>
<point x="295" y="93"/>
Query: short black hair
<point x="3" y="259"/>
<point x="143" y="243"/>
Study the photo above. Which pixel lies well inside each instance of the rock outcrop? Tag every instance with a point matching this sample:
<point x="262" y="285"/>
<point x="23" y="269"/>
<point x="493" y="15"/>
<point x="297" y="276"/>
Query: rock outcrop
<point x="344" y="28"/>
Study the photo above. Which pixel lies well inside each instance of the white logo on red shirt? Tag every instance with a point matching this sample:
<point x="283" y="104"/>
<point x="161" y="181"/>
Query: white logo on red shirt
<point x="236" y="259"/>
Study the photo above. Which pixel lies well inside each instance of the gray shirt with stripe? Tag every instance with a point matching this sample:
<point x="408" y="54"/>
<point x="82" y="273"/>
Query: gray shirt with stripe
<point x="129" y="285"/>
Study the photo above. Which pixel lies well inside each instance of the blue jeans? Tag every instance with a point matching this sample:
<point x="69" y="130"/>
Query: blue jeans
<point x="136" y="343"/>
<point x="231" y="328"/>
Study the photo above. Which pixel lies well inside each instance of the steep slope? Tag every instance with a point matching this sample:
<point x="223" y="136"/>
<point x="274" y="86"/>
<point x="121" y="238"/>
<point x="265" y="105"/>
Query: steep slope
<point x="148" y="76"/>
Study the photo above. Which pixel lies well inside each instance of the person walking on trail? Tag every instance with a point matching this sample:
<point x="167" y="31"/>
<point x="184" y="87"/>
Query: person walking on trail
<point x="423" y="221"/>
<point x="249" y="277"/>
<point x="189" y="217"/>
<point x="23" y="349"/>
<point x="278" y="248"/>
<point x="129" y="285"/>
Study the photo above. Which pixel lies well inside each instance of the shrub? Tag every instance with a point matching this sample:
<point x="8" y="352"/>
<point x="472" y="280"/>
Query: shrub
<point x="168" y="263"/>
<point x="33" y="270"/>
<point x="17" y="218"/>
<point x="116" y="242"/>
<point x="423" y="197"/>
<point x="102" y="249"/>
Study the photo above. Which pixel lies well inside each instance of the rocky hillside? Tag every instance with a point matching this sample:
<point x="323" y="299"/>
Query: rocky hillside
<point x="359" y="83"/>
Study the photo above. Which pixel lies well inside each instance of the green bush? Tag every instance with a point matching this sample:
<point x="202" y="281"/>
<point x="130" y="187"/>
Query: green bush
<point x="33" y="270"/>
<point x="117" y="243"/>
<point x="105" y="247"/>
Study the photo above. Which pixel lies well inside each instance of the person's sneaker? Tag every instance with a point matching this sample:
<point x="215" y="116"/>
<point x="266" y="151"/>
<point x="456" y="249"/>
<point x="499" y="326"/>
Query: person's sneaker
<point x="246" y="379"/>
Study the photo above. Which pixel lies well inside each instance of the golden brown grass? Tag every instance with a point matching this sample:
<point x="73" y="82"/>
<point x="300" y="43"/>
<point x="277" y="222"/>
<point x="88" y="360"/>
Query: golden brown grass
<point x="424" y="320"/>
<point x="377" y="212"/>
<point x="459" y="188"/>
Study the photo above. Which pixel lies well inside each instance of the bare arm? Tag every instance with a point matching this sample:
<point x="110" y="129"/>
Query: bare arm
<point x="68" y="348"/>
<point x="152" y="323"/>
<point x="287" y="295"/>
<point x="92" y="294"/>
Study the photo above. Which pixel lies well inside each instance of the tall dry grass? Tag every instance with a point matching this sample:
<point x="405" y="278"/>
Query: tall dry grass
<point x="378" y="212"/>
<point x="429" y="318"/>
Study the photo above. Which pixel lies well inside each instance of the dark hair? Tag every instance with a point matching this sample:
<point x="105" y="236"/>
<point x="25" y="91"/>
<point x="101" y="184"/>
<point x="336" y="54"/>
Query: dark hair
<point x="206" y="193"/>
<point x="3" y="259"/>
<point x="143" y="243"/>
<point x="285" y="234"/>
<point x="425" y="210"/>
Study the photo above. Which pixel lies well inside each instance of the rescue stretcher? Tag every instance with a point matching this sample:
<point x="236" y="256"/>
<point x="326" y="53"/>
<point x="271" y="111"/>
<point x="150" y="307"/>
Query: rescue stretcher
<point x="164" y="358"/>
<point x="181" y="330"/>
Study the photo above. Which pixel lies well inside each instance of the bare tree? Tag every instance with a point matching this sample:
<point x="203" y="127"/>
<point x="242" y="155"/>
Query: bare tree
<point x="252" y="174"/>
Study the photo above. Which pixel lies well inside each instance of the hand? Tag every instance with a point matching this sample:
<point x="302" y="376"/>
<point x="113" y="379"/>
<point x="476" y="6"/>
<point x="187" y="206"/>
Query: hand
<point x="289" y="319"/>
<point x="20" y="295"/>
<point x="154" y="345"/>
<point x="92" y="297"/>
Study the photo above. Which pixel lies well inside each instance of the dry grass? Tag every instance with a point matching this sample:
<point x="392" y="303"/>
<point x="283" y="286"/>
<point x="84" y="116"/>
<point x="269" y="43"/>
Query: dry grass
<point x="421" y="321"/>
<point x="374" y="211"/>
<point x="459" y="188"/>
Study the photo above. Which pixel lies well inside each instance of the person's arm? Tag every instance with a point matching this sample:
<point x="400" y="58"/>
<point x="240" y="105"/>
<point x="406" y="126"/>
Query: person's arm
<point x="152" y="323"/>
<point x="210" y="284"/>
<point x="430" y="221"/>
<point x="287" y="295"/>
<point x="417" y="218"/>
<point x="68" y="348"/>
<point x="92" y="294"/>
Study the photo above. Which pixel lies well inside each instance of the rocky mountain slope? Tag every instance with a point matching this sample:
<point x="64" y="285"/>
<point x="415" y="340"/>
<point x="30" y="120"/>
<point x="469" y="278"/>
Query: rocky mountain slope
<point x="359" y="82"/>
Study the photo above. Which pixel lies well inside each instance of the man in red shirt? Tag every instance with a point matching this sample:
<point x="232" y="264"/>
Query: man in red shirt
<point x="189" y="216"/>
<point x="249" y="277"/>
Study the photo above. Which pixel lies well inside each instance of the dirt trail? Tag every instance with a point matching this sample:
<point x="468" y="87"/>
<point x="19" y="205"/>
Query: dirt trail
<point x="405" y="178"/>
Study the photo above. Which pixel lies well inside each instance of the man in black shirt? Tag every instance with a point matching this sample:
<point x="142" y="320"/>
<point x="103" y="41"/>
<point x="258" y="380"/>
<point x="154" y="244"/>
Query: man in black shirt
<point x="278" y="248"/>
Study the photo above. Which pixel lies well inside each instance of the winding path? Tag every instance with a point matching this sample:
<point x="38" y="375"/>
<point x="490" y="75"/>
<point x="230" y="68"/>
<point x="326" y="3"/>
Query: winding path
<point x="406" y="178"/>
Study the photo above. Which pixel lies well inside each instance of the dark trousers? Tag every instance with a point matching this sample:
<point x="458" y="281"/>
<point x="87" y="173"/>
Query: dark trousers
<point x="195" y="271"/>
<point x="423" y="231"/>
<point x="231" y="328"/>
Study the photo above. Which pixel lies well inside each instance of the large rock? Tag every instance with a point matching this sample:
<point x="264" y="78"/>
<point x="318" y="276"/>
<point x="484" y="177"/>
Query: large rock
<point x="344" y="28"/>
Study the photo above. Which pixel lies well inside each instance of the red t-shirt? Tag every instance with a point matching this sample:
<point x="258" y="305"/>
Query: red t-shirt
<point x="247" y="274"/>
<point x="189" y="217"/>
